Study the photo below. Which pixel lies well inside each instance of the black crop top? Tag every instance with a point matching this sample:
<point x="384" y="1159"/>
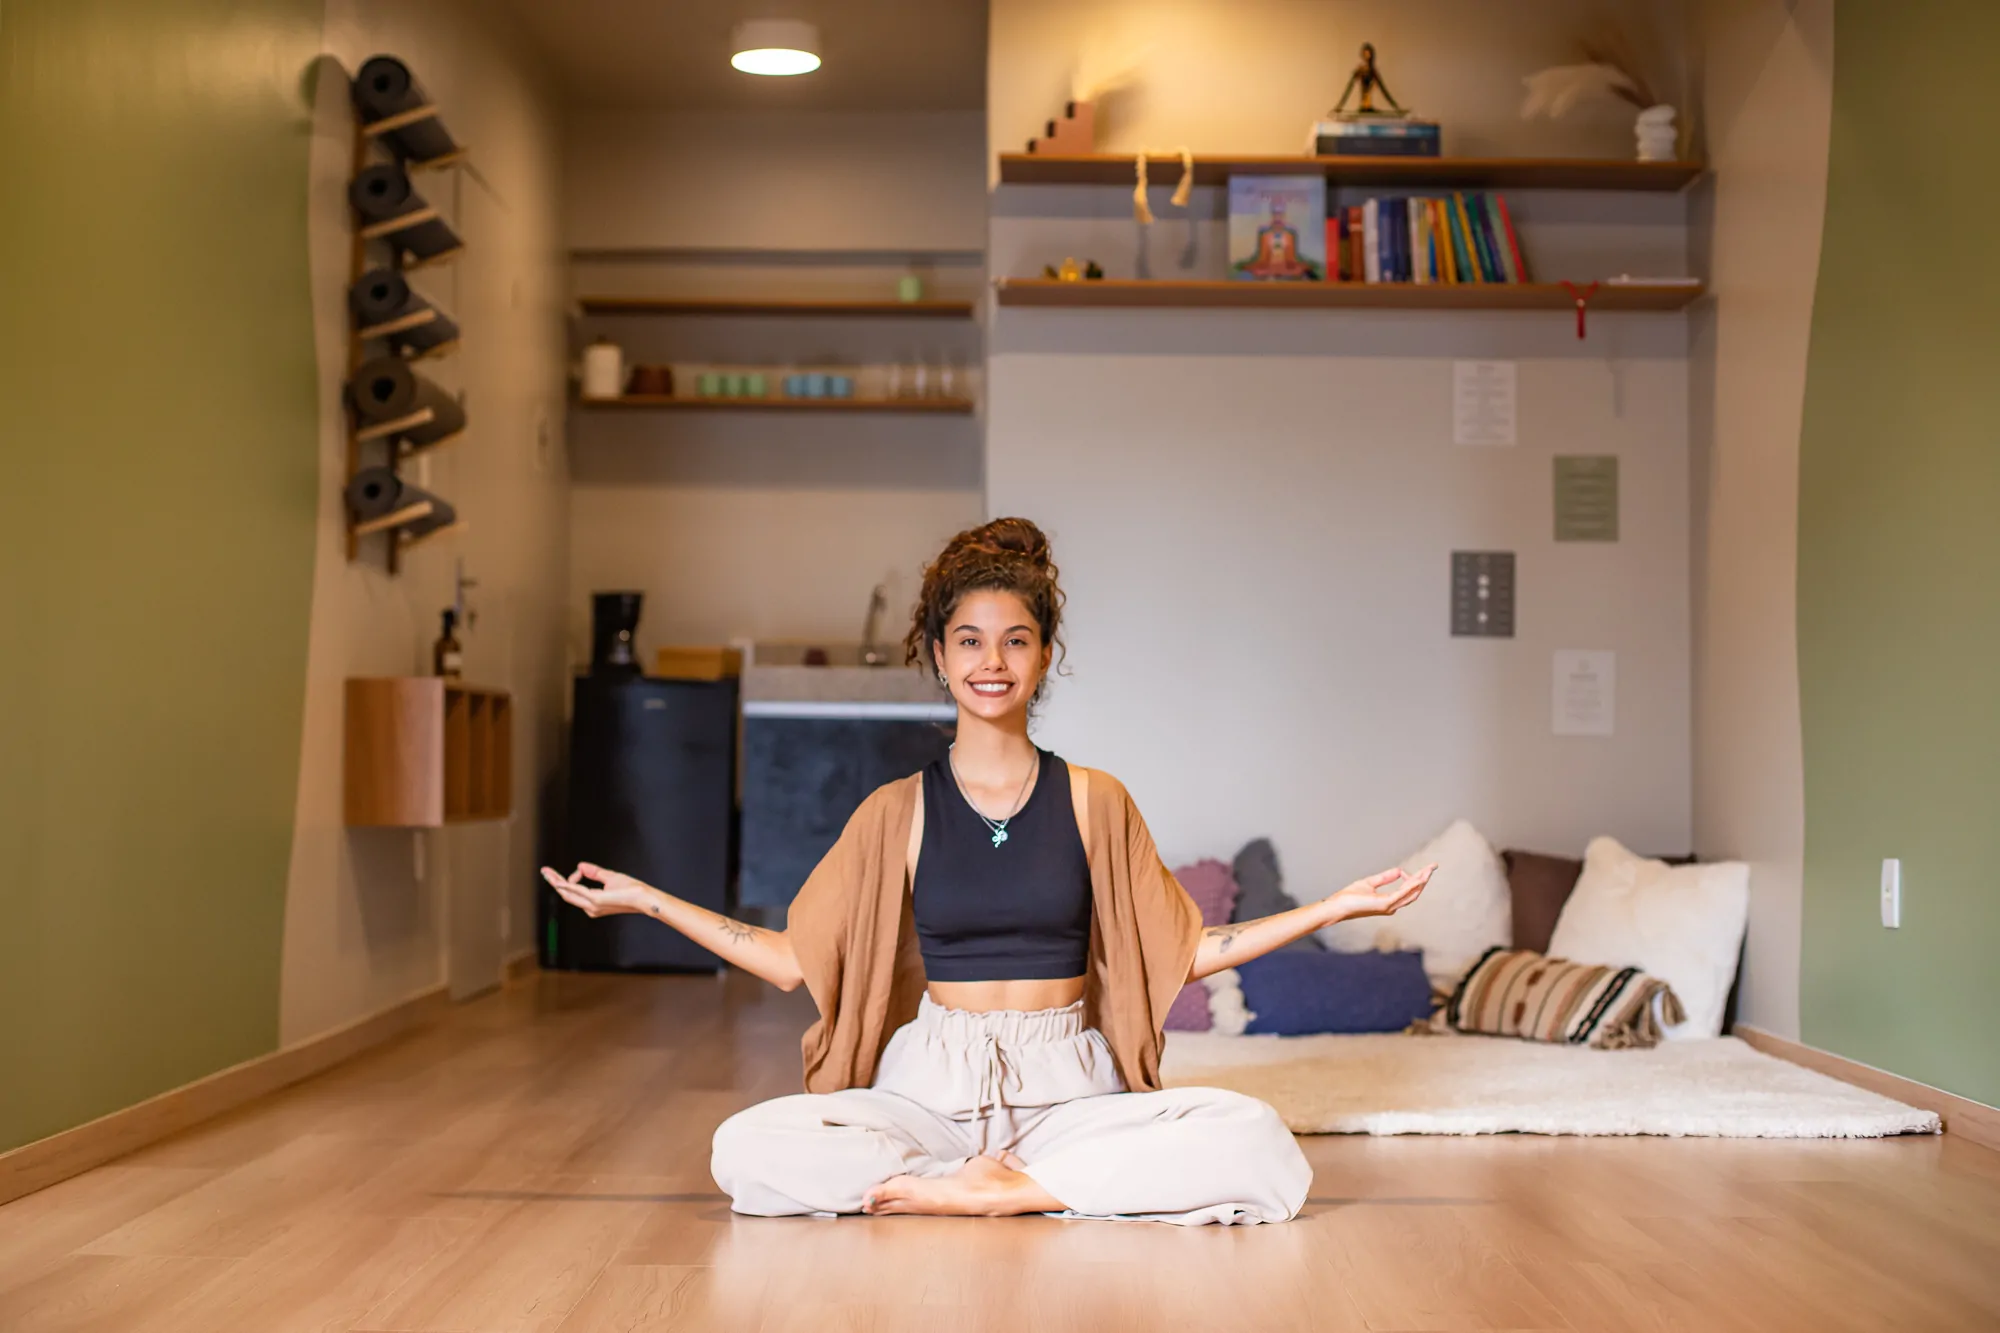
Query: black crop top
<point x="1016" y="911"/>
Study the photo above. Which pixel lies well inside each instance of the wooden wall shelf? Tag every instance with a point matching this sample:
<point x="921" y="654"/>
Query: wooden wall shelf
<point x="1475" y="173"/>
<point x="658" y="305"/>
<point x="666" y="401"/>
<point x="423" y="752"/>
<point x="1115" y="292"/>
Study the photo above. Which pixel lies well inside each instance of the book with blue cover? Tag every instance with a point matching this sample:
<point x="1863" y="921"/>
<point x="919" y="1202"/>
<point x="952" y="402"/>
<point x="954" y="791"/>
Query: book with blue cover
<point x="1277" y="228"/>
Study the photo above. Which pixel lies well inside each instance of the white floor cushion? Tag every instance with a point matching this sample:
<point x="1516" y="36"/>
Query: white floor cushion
<point x="1682" y="924"/>
<point x="1227" y="1013"/>
<point x="1464" y="910"/>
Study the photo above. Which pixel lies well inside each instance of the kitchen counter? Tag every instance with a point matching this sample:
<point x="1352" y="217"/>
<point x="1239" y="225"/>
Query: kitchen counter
<point x="840" y="684"/>
<point x="816" y="741"/>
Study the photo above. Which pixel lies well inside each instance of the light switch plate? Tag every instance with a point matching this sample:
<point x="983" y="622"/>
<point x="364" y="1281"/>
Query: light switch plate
<point x="1892" y="894"/>
<point x="1482" y="594"/>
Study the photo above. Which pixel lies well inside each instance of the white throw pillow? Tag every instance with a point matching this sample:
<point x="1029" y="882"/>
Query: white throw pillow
<point x="1682" y="924"/>
<point x="1227" y="1013"/>
<point x="1464" y="911"/>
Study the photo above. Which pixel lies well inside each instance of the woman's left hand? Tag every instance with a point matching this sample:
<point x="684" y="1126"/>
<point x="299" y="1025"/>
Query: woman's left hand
<point x="1380" y="895"/>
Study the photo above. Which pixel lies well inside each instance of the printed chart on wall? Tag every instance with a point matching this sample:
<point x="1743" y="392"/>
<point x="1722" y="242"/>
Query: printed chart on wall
<point x="1586" y="498"/>
<point x="1586" y="692"/>
<point x="1482" y="403"/>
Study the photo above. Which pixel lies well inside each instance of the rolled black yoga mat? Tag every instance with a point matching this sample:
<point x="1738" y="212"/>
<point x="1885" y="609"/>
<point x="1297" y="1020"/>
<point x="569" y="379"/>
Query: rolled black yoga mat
<point x="377" y="492"/>
<point x="382" y="193"/>
<point x="385" y="388"/>
<point x="384" y="88"/>
<point x="382" y="296"/>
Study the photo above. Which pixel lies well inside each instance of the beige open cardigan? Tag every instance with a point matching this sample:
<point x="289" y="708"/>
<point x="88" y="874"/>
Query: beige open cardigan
<point x="856" y="941"/>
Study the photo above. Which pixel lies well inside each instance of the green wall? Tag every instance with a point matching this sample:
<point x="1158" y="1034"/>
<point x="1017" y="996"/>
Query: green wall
<point x="158" y="439"/>
<point x="1899" y="553"/>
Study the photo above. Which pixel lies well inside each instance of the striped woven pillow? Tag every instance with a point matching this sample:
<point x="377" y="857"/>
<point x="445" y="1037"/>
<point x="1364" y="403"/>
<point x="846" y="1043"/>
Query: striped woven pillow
<point x="1520" y="993"/>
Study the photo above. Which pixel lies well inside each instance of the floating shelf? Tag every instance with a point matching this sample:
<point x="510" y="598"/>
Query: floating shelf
<point x="1117" y="292"/>
<point x="655" y="305"/>
<point x="1479" y="173"/>
<point x="653" y="400"/>
<point x="422" y="752"/>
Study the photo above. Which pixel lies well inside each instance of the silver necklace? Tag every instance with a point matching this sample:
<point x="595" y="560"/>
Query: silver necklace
<point x="997" y="826"/>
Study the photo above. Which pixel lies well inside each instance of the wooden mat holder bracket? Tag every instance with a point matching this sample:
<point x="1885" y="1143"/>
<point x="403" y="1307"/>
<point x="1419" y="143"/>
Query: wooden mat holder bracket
<point x="364" y="436"/>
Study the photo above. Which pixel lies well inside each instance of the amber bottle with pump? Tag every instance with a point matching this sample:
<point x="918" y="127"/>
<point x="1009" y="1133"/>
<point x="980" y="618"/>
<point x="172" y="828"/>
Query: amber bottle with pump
<point x="447" y="658"/>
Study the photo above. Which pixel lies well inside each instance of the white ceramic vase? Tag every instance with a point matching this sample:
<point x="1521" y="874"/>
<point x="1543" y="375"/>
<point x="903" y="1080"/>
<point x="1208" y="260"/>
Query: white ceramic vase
<point x="603" y="369"/>
<point x="1658" y="139"/>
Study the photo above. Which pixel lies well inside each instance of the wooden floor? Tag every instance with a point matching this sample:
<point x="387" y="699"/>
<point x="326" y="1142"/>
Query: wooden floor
<point x="539" y="1161"/>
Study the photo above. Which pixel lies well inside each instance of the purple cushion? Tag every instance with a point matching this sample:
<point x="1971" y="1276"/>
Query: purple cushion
<point x="1213" y="889"/>
<point x="1293" y="994"/>
<point x="1190" y="1011"/>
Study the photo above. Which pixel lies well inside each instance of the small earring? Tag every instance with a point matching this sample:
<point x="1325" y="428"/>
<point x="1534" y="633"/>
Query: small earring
<point x="946" y="684"/>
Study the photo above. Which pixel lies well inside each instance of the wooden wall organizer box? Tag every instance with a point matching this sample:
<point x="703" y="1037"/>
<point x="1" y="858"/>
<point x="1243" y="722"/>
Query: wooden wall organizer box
<point x="423" y="752"/>
<point x="697" y="662"/>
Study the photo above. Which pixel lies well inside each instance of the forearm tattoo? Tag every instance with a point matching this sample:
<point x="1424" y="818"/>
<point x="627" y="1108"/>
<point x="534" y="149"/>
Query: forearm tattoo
<point x="1224" y="936"/>
<point x="737" y="931"/>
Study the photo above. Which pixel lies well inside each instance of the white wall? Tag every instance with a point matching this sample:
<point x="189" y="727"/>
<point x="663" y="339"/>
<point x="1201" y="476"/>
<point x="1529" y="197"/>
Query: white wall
<point x="1256" y="545"/>
<point x="753" y="524"/>
<point x="843" y="180"/>
<point x="1254" y="515"/>
<point x="1767" y="103"/>
<point x="1248" y="76"/>
<point x="362" y="929"/>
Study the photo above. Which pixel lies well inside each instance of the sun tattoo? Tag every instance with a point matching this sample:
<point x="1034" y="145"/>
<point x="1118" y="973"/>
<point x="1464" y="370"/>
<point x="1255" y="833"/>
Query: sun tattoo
<point x="736" y="930"/>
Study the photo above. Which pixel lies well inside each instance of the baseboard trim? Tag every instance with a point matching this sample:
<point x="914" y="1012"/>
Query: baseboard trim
<point x="519" y="967"/>
<point x="37" y="1165"/>
<point x="1970" y="1120"/>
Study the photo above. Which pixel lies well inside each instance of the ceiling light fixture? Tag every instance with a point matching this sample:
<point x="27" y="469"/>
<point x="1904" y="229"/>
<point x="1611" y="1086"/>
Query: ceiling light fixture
<point x="775" y="46"/>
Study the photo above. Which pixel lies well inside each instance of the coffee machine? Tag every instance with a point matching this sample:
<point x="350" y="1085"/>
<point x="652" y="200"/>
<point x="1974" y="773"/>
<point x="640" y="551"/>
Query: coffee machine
<point x="614" y="619"/>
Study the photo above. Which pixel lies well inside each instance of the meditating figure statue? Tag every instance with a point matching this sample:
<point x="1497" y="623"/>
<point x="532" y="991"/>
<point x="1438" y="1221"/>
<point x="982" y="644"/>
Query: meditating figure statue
<point x="1366" y="80"/>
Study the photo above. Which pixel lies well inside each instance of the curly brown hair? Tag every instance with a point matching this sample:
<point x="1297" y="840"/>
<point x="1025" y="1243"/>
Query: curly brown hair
<point x="1006" y="555"/>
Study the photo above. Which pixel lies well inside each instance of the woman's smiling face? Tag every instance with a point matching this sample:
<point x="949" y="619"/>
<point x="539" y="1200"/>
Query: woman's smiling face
<point x="992" y="654"/>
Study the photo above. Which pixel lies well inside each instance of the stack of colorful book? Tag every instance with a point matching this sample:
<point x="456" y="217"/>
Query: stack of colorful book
<point x="1458" y="238"/>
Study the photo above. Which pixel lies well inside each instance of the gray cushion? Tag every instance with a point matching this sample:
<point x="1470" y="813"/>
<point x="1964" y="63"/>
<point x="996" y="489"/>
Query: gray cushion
<point x="1263" y="890"/>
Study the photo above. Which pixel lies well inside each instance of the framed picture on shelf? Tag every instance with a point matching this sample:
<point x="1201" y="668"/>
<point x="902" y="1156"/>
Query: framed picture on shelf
<point x="1277" y="228"/>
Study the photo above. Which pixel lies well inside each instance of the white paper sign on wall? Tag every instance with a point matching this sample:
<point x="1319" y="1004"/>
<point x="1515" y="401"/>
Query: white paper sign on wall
<point x="1482" y="402"/>
<point x="1586" y="692"/>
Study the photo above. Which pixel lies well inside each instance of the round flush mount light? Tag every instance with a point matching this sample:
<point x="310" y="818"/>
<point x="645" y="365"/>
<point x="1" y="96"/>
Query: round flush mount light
<point x="775" y="46"/>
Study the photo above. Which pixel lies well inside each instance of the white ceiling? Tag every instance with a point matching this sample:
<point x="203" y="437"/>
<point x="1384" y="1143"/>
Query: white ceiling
<point x="879" y="55"/>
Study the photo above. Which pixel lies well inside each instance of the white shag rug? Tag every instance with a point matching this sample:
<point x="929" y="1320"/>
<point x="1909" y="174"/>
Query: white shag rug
<point x="1390" y="1083"/>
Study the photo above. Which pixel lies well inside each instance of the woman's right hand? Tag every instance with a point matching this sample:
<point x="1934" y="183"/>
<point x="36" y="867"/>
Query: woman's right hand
<point x="618" y="893"/>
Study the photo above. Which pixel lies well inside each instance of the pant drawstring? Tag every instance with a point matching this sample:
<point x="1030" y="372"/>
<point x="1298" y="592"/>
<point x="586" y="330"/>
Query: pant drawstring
<point x="992" y="1076"/>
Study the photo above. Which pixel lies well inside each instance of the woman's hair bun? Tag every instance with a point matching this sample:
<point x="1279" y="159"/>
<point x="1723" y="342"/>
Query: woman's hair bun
<point x="1018" y="535"/>
<point x="1007" y="554"/>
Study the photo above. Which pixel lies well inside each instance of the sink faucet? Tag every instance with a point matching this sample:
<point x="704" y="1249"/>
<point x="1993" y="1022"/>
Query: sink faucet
<point x="871" y="654"/>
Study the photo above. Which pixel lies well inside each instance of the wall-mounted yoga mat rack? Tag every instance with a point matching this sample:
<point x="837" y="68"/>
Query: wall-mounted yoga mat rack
<point x="394" y="109"/>
<point x="384" y="306"/>
<point x="396" y="412"/>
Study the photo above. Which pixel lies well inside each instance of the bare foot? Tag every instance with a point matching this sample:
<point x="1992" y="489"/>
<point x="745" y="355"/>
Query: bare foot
<point x="983" y="1187"/>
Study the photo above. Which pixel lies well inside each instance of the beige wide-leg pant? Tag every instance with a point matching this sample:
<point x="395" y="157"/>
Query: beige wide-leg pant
<point x="954" y="1085"/>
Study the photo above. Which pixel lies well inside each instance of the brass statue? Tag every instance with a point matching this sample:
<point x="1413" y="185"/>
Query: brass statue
<point x="1367" y="81"/>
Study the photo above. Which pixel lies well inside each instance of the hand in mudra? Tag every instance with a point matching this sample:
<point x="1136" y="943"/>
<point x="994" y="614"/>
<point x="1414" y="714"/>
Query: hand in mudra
<point x="618" y="893"/>
<point x="1381" y="895"/>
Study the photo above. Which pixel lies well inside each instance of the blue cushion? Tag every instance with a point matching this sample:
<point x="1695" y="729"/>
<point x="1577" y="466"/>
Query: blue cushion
<point x="1293" y="994"/>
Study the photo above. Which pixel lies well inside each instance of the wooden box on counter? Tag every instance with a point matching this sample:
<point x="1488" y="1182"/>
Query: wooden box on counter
<point x="423" y="751"/>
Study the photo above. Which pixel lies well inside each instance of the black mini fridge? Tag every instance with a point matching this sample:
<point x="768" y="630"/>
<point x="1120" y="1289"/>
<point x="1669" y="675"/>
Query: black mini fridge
<point x="652" y="793"/>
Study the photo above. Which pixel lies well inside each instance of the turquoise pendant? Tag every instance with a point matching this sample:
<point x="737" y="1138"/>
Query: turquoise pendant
<point x="999" y="836"/>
